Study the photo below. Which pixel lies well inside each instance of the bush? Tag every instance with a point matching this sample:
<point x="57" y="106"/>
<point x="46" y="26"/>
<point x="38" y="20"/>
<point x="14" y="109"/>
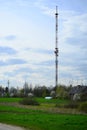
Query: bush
<point x="83" y="107"/>
<point x="29" y="101"/>
<point x="83" y="97"/>
<point x="71" y="105"/>
<point x="59" y="105"/>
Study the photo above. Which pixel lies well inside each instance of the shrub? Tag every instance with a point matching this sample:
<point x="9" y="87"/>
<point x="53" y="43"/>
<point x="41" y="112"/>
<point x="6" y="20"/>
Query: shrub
<point x="83" y="107"/>
<point x="29" y="101"/>
<point x="83" y="96"/>
<point x="71" y="105"/>
<point x="59" y="105"/>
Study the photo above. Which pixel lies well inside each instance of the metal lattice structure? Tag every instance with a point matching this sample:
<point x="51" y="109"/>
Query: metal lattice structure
<point x="8" y="83"/>
<point x="56" y="50"/>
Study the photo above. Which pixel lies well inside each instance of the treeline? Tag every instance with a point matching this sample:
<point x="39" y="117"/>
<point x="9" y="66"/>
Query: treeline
<point x="37" y="90"/>
<point x="78" y="92"/>
<point x="26" y="90"/>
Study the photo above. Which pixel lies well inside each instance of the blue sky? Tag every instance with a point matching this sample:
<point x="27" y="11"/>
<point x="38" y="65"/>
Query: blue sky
<point x="27" y="41"/>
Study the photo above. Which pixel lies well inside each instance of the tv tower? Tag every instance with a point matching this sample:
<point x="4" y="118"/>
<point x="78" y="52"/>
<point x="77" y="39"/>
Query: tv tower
<point x="56" y="50"/>
<point x="8" y="85"/>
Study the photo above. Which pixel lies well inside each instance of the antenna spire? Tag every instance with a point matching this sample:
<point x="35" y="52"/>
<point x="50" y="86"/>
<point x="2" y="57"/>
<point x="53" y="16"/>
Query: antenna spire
<point x="8" y="83"/>
<point x="56" y="50"/>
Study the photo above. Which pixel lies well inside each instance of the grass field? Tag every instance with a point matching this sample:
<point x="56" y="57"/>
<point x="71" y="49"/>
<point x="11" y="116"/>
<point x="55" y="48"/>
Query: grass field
<point x="34" y="118"/>
<point x="10" y="99"/>
<point x="41" y="100"/>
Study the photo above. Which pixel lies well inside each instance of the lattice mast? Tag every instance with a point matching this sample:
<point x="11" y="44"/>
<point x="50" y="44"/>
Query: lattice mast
<point x="8" y="83"/>
<point x="56" y="50"/>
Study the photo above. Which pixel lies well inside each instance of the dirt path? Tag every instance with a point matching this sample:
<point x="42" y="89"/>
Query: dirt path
<point x="9" y="127"/>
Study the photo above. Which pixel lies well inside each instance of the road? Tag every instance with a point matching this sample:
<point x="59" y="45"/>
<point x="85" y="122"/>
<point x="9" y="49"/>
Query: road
<point x="9" y="127"/>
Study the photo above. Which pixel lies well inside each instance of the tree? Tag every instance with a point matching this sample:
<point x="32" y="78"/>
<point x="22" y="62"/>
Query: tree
<point x="62" y="92"/>
<point x="13" y="92"/>
<point x="26" y="90"/>
<point x="1" y="91"/>
<point x="53" y="94"/>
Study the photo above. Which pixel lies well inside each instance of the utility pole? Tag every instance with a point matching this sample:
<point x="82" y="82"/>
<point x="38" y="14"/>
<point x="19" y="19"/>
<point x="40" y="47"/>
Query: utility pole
<point x="56" y="50"/>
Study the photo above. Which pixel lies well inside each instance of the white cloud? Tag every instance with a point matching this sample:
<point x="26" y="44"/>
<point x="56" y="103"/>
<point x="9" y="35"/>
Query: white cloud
<point x="72" y="44"/>
<point x="38" y="32"/>
<point x="45" y="9"/>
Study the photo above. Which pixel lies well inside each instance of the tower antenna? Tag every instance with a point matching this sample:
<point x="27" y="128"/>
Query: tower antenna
<point x="8" y="83"/>
<point x="56" y="50"/>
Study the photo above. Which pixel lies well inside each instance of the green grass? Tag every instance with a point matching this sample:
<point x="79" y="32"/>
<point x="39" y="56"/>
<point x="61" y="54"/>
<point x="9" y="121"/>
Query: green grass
<point x="40" y="100"/>
<point x="38" y="119"/>
<point x="10" y="99"/>
<point x="43" y="100"/>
